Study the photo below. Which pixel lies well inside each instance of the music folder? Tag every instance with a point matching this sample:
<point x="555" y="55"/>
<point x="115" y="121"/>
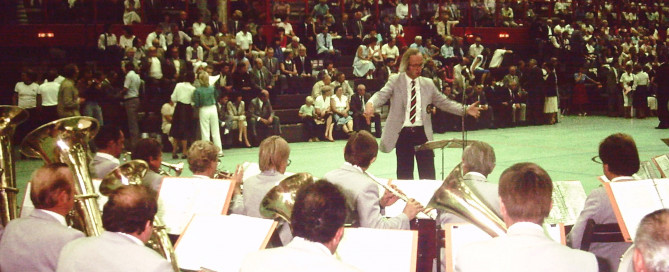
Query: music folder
<point x="373" y="250"/>
<point x="568" y="201"/>
<point x="180" y="198"/>
<point x="220" y="242"/>
<point x="634" y="199"/>
<point x="662" y="164"/>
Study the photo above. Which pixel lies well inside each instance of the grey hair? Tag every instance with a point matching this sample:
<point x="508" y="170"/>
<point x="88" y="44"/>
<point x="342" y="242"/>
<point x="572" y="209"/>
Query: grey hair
<point x="652" y="240"/>
<point x="479" y="157"/>
<point x="405" y="58"/>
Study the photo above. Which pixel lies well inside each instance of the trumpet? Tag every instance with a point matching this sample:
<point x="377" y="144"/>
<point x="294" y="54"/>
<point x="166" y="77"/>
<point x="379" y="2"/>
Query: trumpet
<point x="400" y="195"/>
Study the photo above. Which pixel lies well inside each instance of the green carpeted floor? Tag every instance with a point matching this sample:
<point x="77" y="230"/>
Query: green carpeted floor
<point x="564" y="150"/>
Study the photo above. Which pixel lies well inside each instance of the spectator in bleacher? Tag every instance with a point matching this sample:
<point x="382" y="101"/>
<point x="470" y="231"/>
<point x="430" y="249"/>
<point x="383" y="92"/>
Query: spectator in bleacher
<point x="324" y="111"/>
<point x="340" y="80"/>
<point x="479" y="65"/>
<point x="216" y="25"/>
<point x="289" y="75"/>
<point x="402" y="11"/>
<point x="384" y="72"/>
<point x="244" y="39"/>
<point x="476" y="94"/>
<point x="397" y="32"/>
<point x="360" y="122"/>
<point x="93" y="95"/>
<point x="324" y="46"/>
<point x="304" y="70"/>
<point x="272" y="63"/>
<point x="511" y="109"/>
<point x="512" y="76"/>
<point x="476" y="48"/>
<point x="294" y="44"/>
<point x="156" y="34"/>
<point x="343" y="28"/>
<point x="418" y="44"/>
<point x="319" y="86"/>
<point x="236" y="109"/>
<point x="152" y="73"/>
<point x="195" y="55"/>
<point x="242" y="82"/>
<point x="130" y="15"/>
<point x="329" y="69"/>
<point x="320" y="9"/>
<point x="174" y="68"/>
<point x="176" y="37"/>
<point x="461" y="75"/>
<point x="126" y="40"/>
<point x="281" y="9"/>
<point x="286" y="26"/>
<point x="262" y="121"/>
<point x="235" y="25"/>
<point x="551" y="83"/>
<point x="198" y="26"/>
<point x="208" y="40"/>
<point x="308" y="115"/>
<point x="339" y="104"/>
<point x="218" y="54"/>
<point x="640" y="96"/>
<point x="389" y="51"/>
<point x="627" y="84"/>
<point x="532" y="82"/>
<point x="261" y="78"/>
<point x="507" y="16"/>
<point x="362" y="64"/>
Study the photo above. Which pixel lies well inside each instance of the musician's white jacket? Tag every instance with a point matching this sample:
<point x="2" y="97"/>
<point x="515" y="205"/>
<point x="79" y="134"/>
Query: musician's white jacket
<point x="525" y="247"/>
<point x="362" y="199"/>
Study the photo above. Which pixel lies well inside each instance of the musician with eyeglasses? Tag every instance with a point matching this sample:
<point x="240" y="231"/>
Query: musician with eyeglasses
<point x="318" y="224"/>
<point x="110" y="143"/>
<point x="128" y="221"/>
<point x="34" y="243"/>
<point x="362" y="193"/>
<point x="525" y="190"/>
<point x="150" y="151"/>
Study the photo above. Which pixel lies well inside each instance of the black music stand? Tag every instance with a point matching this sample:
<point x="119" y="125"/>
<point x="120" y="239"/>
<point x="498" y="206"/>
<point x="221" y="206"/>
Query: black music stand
<point x="441" y="144"/>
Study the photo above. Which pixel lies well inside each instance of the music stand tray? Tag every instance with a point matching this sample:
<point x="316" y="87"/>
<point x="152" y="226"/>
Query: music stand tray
<point x="441" y="144"/>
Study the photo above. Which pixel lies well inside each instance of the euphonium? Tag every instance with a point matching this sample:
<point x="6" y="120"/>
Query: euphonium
<point x="10" y="117"/>
<point x="132" y="173"/>
<point x="279" y="201"/>
<point x="66" y="140"/>
<point x="455" y="197"/>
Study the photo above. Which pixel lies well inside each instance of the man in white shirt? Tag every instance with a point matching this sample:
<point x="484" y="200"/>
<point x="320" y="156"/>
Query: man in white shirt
<point x="176" y="36"/>
<point x="34" y="243"/>
<point x="49" y="92"/>
<point x="157" y="34"/>
<point x="152" y="73"/>
<point x="128" y="221"/>
<point x="324" y="46"/>
<point x="317" y="221"/>
<point x="244" y="39"/>
<point x="476" y="48"/>
<point x="389" y="51"/>
<point x="525" y="190"/>
<point x="130" y="93"/>
<point x="110" y="142"/>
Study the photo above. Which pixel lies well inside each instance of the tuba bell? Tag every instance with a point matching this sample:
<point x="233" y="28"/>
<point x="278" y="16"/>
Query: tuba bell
<point x="132" y="173"/>
<point x="10" y="117"/>
<point x="66" y="140"/>
<point x="455" y="197"/>
<point x="279" y="201"/>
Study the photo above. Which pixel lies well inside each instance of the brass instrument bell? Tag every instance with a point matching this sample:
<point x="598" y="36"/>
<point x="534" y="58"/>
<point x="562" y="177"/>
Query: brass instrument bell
<point x="279" y="201"/>
<point x="129" y="173"/>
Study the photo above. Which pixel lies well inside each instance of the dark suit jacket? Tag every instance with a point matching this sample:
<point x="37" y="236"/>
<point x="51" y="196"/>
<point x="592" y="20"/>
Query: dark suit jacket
<point x="344" y="28"/>
<point x="356" y="105"/>
<point x="240" y="80"/>
<point x="662" y="80"/>
<point x="307" y="65"/>
<point x="358" y="30"/>
<point x="256" y="111"/>
<point x="170" y="71"/>
<point x="274" y="69"/>
<point x="267" y="78"/>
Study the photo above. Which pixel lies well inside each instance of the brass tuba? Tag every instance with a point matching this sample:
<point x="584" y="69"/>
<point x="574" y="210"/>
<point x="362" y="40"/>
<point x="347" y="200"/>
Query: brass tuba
<point x="66" y="140"/>
<point x="279" y="201"/>
<point x="132" y="173"/>
<point x="10" y="117"/>
<point x="455" y="197"/>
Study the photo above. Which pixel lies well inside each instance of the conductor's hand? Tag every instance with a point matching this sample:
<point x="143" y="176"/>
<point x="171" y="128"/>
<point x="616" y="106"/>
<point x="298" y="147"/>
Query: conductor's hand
<point x="369" y="110"/>
<point x="474" y="110"/>
<point x="388" y="198"/>
<point x="412" y="208"/>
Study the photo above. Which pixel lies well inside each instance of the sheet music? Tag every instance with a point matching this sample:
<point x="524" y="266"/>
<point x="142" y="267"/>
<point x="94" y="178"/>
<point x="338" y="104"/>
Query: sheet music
<point x="180" y="198"/>
<point x="662" y="163"/>
<point x="421" y="190"/>
<point x="375" y="250"/>
<point x="568" y="201"/>
<point x="637" y="198"/>
<point x="220" y="242"/>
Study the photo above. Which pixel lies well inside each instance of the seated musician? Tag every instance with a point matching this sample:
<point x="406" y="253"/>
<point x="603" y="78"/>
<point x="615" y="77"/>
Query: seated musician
<point x="525" y="190"/>
<point x="128" y="221"/>
<point x="620" y="160"/>
<point x="478" y="161"/>
<point x="273" y="160"/>
<point x="651" y="252"/>
<point x="362" y="193"/>
<point x="318" y="224"/>
<point x="33" y="243"/>
<point x="109" y="142"/>
<point x="150" y="151"/>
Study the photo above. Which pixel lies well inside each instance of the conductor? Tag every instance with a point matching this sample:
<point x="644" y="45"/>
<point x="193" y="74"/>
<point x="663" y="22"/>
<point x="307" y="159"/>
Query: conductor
<point x="409" y="124"/>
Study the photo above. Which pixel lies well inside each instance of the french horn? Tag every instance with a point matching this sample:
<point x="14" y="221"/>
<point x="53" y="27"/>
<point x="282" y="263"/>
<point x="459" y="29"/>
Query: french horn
<point x="10" y="117"/>
<point x="132" y="173"/>
<point x="66" y="140"/>
<point x="279" y="201"/>
<point x="455" y="197"/>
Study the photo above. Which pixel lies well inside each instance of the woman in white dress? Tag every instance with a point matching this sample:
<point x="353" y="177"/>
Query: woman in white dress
<point x="324" y="112"/>
<point x="362" y="64"/>
<point x="340" y="109"/>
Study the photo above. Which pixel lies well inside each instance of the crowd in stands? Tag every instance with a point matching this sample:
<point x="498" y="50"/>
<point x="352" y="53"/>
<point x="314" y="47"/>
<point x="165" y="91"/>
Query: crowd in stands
<point x="228" y="73"/>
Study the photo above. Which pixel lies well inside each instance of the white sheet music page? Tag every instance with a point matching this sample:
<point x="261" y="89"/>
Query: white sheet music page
<point x="637" y="198"/>
<point x="568" y="201"/>
<point x="375" y="250"/>
<point x="421" y="190"/>
<point x="662" y="164"/>
<point x="220" y="242"/>
<point x="180" y="198"/>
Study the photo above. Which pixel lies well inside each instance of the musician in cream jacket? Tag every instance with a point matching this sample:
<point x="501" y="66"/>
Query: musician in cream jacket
<point x="34" y="243"/>
<point x="478" y="161"/>
<point x="318" y="224"/>
<point x="362" y="193"/>
<point x="128" y="220"/>
<point x="620" y="160"/>
<point x="525" y="190"/>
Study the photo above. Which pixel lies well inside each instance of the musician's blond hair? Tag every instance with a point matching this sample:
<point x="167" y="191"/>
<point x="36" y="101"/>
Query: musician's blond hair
<point x="201" y="154"/>
<point x="274" y="151"/>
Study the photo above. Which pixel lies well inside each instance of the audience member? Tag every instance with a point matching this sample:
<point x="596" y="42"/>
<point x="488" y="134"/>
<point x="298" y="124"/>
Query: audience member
<point x="308" y="116"/>
<point x="183" y="128"/>
<point x="262" y="120"/>
<point x="360" y="121"/>
<point x="204" y="100"/>
<point x="339" y="103"/>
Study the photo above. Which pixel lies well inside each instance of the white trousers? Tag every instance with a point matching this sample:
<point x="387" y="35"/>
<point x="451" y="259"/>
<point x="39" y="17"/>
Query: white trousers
<point x="209" y="125"/>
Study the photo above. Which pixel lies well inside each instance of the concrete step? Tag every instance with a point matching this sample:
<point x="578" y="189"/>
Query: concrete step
<point x="289" y="101"/>
<point x="288" y="116"/>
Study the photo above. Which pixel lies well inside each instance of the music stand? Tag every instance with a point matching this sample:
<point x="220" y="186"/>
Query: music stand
<point x="666" y="141"/>
<point x="441" y="144"/>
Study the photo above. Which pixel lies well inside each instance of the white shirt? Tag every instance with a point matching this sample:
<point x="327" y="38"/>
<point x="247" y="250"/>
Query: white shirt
<point x="106" y="40"/>
<point x="132" y="83"/>
<point x="198" y="28"/>
<point x="641" y="79"/>
<point x="402" y="10"/>
<point x="390" y="52"/>
<point x="407" y="118"/>
<point x="152" y="36"/>
<point x="49" y="92"/>
<point x="27" y="94"/>
<point x="182" y="37"/>
<point x="244" y="40"/>
<point x="107" y="157"/>
<point x="475" y="50"/>
<point x="626" y="78"/>
<point x="322" y="103"/>
<point x="60" y="218"/>
<point x="183" y="93"/>
<point x="132" y="238"/>
<point x="126" y="42"/>
<point x="155" y="70"/>
<point x="497" y="58"/>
